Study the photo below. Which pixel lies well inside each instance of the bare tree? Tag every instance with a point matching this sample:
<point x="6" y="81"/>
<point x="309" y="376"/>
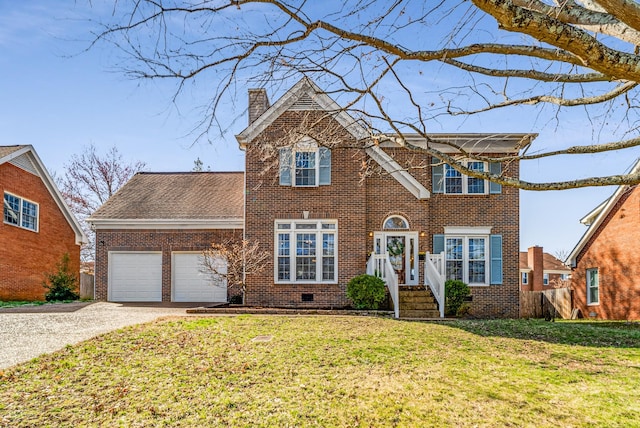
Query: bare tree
<point x="540" y="57"/>
<point x="89" y="179"/>
<point x="562" y="254"/>
<point x="231" y="261"/>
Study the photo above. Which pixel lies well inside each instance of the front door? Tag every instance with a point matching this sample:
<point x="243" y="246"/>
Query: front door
<point x="402" y="250"/>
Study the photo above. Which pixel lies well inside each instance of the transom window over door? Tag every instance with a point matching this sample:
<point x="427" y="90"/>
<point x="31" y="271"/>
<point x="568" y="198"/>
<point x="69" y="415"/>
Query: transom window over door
<point x="395" y="222"/>
<point x="306" y="251"/>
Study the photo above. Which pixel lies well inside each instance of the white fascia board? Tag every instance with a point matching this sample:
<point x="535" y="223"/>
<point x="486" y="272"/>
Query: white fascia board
<point x="401" y="175"/>
<point x="467" y="230"/>
<point x="603" y="210"/>
<point x="227" y="223"/>
<point x="81" y="238"/>
<point x="308" y="87"/>
<point x="472" y="143"/>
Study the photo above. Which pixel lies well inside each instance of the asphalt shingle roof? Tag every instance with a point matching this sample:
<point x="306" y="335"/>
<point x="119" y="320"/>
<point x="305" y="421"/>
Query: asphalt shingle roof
<point x="180" y="195"/>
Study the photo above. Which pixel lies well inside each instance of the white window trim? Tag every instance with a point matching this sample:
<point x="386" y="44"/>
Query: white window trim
<point x="305" y="146"/>
<point x="20" y="214"/>
<point x="292" y="253"/>
<point x="465" y="258"/>
<point x="587" y="274"/>
<point x="465" y="179"/>
<point x="545" y="278"/>
<point x="522" y="277"/>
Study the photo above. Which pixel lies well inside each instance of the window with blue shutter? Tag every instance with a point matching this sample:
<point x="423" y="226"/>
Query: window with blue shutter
<point x="438" y="244"/>
<point x="310" y="166"/>
<point x="285" y="166"/>
<point x="496" y="258"/>
<point x="496" y="169"/>
<point x="325" y="165"/>
<point x="437" y="176"/>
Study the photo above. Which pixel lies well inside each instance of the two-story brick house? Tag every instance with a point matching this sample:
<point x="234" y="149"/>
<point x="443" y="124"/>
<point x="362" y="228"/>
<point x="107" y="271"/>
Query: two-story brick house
<point x="330" y="202"/>
<point x="322" y="215"/>
<point x="37" y="227"/>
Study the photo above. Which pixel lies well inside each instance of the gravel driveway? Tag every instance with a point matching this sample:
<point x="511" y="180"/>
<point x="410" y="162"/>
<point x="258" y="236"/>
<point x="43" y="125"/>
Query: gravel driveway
<point x="29" y="331"/>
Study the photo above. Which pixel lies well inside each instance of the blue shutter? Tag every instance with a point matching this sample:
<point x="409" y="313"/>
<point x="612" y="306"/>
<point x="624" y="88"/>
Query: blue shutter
<point x="325" y="165"/>
<point x="496" y="169"/>
<point x="438" y="244"/>
<point x="437" y="176"/>
<point x="495" y="248"/>
<point x="285" y="166"/>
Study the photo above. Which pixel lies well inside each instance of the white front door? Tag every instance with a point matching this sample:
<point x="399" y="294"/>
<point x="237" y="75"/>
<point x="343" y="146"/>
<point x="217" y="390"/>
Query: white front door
<point x="402" y="250"/>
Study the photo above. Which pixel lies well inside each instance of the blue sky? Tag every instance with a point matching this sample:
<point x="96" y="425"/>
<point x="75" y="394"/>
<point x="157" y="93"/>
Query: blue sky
<point x="59" y="99"/>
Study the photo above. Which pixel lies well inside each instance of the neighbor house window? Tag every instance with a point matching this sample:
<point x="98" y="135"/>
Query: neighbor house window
<point x="455" y="182"/>
<point x="545" y="279"/>
<point x="593" y="287"/>
<point x="466" y="258"/>
<point x="306" y="251"/>
<point x="525" y="278"/>
<point x="20" y="212"/>
<point x="305" y="165"/>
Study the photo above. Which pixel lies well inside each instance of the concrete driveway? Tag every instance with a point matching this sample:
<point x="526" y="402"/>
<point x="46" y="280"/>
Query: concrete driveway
<point x="29" y="331"/>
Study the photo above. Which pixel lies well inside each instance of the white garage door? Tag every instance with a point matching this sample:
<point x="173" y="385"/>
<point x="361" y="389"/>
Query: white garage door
<point x="190" y="284"/>
<point x="135" y="277"/>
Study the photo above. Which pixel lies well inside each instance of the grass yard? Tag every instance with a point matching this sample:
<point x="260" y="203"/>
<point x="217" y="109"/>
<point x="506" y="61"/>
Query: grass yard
<point x="334" y="371"/>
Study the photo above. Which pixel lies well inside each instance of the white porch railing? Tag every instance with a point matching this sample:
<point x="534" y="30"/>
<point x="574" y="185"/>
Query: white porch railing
<point x="434" y="277"/>
<point x="379" y="265"/>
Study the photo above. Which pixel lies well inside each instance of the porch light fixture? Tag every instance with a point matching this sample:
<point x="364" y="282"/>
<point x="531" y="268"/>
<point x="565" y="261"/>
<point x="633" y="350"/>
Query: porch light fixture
<point x="423" y="234"/>
<point x="370" y="234"/>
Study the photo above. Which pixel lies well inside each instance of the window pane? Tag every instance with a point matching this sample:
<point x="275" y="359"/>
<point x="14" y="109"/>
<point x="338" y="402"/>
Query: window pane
<point x="475" y="185"/>
<point x="592" y="286"/>
<point x="328" y="244"/>
<point x="306" y="268"/>
<point x="452" y="180"/>
<point x="328" y="269"/>
<point x="306" y="252"/>
<point x="284" y="226"/>
<point x="328" y="225"/>
<point x="11" y="209"/>
<point x="453" y="254"/>
<point x="306" y="226"/>
<point x="305" y="168"/>
<point x="395" y="223"/>
<point x="29" y="215"/>
<point x="477" y="272"/>
<point x="476" y="249"/>
<point x="284" y="251"/>
<point x="477" y="261"/>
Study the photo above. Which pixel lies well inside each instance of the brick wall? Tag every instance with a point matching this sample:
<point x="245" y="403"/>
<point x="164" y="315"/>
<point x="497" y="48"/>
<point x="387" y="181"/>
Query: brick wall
<point x="615" y="250"/>
<point x="165" y="241"/>
<point x="26" y="256"/>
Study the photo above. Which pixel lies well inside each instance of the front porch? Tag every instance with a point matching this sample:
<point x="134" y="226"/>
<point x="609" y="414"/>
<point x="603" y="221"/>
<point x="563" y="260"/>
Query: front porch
<point x="424" y="300"/>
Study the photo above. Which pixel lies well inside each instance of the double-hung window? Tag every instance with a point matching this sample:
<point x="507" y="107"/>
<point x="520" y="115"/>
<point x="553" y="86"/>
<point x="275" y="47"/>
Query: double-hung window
<point x="466" y="258"/>
<point x="20" y="212"/>
<point x="448" y="180"/>
<point x="305" y="165"/>
<point x="593" y="287"/>
<point x="306" y="251"/>
<point x="525" y="278"/>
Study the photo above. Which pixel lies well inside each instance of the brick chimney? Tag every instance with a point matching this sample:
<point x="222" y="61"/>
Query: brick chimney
<point x="535" y="260"/>
<point x="258" y="103"/>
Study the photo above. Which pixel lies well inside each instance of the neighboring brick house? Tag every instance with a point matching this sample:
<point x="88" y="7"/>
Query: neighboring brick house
<point x="541" y="271"/>
<point x="606" y="261"/>
<point x="37" y="228"/>
<point x="309" y="201"/>
<point x="151" y="233"/>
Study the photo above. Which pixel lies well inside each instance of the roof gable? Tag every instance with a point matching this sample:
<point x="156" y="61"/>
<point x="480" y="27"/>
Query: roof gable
<point x="597" y="216"/>
<point x="304" y="95"/>
<point x="26" y="158"/>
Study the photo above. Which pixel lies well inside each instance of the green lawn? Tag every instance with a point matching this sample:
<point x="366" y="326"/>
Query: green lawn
<point x="334" y="371"/>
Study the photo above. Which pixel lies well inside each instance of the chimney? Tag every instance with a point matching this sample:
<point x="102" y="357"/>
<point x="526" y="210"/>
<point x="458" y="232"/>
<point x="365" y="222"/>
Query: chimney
<point x="535" y="261"/>
<point x="258" y="103"/>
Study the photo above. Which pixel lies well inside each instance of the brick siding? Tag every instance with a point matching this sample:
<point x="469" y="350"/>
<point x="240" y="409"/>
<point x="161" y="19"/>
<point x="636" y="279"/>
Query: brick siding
<point x="165" y="241"/>
<point x="26" y="256"/>
<point x="615" y="250"/>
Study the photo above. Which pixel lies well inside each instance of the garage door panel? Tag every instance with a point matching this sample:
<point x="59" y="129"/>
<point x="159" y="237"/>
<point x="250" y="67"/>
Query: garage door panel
<point x="135" y="277"/>
<point x="192" y="285"/>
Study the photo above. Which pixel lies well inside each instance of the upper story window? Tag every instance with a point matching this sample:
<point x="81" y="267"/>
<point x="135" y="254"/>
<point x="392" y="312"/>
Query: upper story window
<point x="20" y="212"/>
<point x="446" y="179"/>
<point x="305" y="165"/>
<point x="545" y="279"/>
<point x="525" y="278"/>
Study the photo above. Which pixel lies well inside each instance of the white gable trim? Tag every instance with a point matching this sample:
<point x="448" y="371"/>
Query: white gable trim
<point x="28" y="150"/>
<point x="401" y="175"/>
<point x="303" y="87"/>
<point x="597" y="216"/>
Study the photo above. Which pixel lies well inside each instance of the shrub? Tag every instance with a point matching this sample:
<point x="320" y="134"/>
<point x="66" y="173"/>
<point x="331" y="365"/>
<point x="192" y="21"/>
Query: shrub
<point x="366" y="291"/>
<point x="455" y="292"/>
<point x="62" y="285"/>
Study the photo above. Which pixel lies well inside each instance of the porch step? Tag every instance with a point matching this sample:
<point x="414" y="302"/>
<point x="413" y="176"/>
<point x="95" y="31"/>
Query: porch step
<point x="417" y="302"/>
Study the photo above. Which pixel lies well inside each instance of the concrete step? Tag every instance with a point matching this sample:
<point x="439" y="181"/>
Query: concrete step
<point x="421" y="306"/>
<point x="421" y="298"/>
<point x="419" y="314"/>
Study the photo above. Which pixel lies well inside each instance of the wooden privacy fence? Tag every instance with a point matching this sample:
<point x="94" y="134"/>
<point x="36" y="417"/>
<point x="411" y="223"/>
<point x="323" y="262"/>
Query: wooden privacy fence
<point x="86" y="286"/>
<point x="541" y="304"/>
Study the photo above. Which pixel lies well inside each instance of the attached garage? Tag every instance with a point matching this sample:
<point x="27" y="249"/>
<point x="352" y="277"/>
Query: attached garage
<point x="189" y="284"/>
<point x="135" y="276"/>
